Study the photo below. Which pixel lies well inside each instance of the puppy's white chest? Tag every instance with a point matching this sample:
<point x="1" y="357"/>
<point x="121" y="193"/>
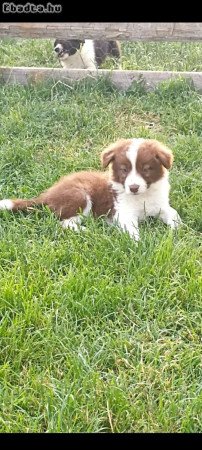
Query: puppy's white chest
<point x="74" y="61"/>
<point x="82" y="59"/>
<point x="139" y="206"/>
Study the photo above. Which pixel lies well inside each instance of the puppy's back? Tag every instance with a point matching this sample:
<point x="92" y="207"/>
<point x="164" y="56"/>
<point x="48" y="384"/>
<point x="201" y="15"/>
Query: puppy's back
<point x="106" y="48"/>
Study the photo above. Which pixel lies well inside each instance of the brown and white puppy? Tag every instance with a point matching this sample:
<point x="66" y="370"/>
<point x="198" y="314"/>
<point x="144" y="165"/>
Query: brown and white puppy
<point x="85" y="54"/>
<point x="136" y="186"/>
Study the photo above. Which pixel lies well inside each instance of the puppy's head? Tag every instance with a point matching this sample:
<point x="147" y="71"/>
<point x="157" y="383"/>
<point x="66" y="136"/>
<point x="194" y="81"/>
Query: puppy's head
<point x="137" y="163"/>
<point x="65" y="48"/>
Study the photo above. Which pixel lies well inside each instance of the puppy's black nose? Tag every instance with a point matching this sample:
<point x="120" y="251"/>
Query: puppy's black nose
<point x="57" y="50"/>
<point x="134" y="188"/>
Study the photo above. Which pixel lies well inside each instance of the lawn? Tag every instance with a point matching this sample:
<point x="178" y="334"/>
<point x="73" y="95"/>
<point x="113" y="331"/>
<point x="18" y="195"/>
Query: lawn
<point x="99" y="334"/>
<point x="182" y="56"/>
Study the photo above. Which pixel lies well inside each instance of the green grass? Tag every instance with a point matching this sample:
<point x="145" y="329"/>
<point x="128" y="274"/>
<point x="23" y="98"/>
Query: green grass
<point x="98" y="334"/>
<point x="182" y="56"/>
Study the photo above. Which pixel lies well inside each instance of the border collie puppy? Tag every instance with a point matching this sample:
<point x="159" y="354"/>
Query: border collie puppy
<point x="136" y="186"/>
<point x="85" y="54"/>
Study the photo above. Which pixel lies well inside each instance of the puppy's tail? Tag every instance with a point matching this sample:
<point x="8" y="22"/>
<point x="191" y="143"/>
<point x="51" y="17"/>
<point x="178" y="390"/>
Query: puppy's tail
<point x="19" y="204"/>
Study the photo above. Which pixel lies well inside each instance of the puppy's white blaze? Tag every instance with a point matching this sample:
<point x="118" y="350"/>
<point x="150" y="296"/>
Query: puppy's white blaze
<point x="6" y="204"/>
<point x="133" y="176"/>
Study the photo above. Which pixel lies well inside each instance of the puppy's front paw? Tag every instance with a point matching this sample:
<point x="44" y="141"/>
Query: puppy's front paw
<point x="174" y="221"/>
<point x="171" y="218"/>
<point x="133" y="232"/>
<point x="73" y="223"/>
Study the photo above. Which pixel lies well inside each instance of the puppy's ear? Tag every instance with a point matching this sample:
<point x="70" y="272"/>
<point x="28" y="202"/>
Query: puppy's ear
<point x="164" y="155"/>
<point x="108" y="155"/>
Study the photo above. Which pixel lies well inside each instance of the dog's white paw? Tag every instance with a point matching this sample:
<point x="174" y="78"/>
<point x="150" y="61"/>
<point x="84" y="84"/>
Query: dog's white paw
<point x="175" y="221"/>
<point x="73" y="223"/>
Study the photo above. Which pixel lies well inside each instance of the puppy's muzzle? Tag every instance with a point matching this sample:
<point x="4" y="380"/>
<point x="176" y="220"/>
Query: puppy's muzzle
<point x="60" y="52"/>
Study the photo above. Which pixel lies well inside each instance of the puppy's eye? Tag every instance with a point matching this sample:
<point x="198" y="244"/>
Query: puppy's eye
<point x="147" y="168"/>
<point x="124" y="170"/>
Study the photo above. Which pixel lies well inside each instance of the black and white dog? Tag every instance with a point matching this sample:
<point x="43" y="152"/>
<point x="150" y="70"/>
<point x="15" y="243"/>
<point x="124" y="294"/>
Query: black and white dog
<point x="85" y="54"/>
